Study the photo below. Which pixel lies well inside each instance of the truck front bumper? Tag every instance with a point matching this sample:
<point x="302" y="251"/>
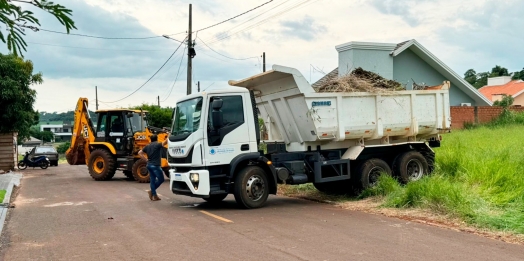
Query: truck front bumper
<point x="183" y="184"/>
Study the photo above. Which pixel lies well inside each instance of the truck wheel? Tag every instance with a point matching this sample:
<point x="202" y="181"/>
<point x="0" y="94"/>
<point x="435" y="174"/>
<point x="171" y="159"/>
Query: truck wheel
<point x="251" y="187"/>
<point x="214" y="199"/>
<point x="129" y="174"/>
<point x="166" y="171"/>
<point x="140" y="172"/>
<point x="101" y="165"/>
<point x="369" y="172"/>
<point x="410" y="166"/>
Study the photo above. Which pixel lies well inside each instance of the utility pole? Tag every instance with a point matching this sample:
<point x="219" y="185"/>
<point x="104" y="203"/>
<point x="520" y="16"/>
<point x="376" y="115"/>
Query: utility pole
<point x="189" y="54"/>
<point x="198" y="86"/>
<point x="263" y="61"/>
<point x="96" y="97"/>
<point x="158" y="99"/>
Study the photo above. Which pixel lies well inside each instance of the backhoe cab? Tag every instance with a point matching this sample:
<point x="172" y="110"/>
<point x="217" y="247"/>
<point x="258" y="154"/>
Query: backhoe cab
<point x="114" y="143"/>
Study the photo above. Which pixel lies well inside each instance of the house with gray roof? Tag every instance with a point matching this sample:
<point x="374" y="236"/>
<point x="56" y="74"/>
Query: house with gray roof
<point x="408" y="63"/>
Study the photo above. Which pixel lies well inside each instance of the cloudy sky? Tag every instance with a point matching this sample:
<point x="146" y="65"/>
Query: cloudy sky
<point x="465" y="34"/>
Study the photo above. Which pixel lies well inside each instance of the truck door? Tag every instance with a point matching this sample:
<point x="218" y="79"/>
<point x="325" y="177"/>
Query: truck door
<point x="231" y="137"/>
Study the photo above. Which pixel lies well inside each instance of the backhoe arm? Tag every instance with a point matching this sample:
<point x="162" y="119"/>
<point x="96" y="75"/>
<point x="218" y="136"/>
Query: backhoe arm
<point x="83" y="135"/>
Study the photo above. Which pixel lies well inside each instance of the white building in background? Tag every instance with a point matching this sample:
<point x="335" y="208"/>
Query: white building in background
<point x="64" y="131"/>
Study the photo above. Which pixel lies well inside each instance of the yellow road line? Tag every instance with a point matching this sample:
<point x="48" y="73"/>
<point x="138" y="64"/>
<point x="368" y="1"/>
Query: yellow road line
<point x="215" y="216"/>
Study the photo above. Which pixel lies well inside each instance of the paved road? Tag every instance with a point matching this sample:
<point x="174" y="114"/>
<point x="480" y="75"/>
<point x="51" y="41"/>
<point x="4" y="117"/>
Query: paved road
<point x="62" y="214"/>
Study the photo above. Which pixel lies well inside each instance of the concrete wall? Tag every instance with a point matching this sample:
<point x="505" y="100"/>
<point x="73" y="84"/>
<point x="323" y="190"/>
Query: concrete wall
<point x="407" y="67"/>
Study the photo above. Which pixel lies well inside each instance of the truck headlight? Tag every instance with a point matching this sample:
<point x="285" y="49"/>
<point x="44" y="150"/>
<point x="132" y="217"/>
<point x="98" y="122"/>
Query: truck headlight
<point x="194" y="177"/>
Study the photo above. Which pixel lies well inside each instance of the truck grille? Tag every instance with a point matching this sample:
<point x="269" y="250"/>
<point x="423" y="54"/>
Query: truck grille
<point x="181" y="160"/>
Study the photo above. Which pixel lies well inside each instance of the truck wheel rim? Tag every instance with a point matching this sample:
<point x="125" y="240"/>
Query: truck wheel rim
<point x="374" y="174"/>
<point x="98" y="165"/>
<point x="255" y="187"/>
<point x="415" y="169"/>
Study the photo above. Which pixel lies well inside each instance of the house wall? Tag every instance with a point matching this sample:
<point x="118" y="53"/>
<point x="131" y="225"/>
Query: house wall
<point x="8" y="155"/>
<point x="519" y="100"/>
<point x="377" y="61"/>
<point x="407" y="66"/>
<point x="474" y="115"/>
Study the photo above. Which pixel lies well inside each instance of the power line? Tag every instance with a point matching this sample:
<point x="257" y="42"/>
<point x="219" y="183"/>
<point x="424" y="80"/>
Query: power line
<point x="103" y="49"/>
<point x="261" y="21"/>
<point x="234" y="16"/>
<point x="105" y="37"/>
<point x="176" y="78"/>
<point x="149" y="77"/>
<point x="239" y="59"/>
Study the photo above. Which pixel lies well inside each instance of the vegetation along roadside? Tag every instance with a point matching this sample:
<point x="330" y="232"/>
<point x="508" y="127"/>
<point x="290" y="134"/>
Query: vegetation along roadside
<point x="478" y="183"/>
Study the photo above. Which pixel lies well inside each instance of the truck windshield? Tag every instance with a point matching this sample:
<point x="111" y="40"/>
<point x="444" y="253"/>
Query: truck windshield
<point x="187" y="117"/>
<point x="137" y="123"/>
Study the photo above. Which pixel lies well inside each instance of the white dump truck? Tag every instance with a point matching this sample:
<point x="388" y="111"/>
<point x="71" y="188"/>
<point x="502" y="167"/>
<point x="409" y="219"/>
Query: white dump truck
<point x="338" y="141"/>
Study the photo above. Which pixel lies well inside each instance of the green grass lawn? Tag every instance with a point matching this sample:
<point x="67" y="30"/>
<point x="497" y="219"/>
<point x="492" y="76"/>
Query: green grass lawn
<point x="2" y="195"/>
<point x="479" y="178"/>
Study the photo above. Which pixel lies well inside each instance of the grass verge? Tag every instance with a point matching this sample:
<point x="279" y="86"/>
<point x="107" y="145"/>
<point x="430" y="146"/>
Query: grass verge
<point x="479" y="180"/>
<point x="2" y="195"/>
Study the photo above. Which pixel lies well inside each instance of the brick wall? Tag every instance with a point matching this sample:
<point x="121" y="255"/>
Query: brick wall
<point x="477" y="114"/>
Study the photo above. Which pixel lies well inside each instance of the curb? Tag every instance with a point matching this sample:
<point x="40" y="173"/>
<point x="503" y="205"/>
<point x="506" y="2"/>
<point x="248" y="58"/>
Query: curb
<point x="4" y="207"/>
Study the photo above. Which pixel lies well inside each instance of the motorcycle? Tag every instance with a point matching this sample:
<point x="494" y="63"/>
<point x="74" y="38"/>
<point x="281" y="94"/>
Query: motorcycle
<point x="40" y="161"/>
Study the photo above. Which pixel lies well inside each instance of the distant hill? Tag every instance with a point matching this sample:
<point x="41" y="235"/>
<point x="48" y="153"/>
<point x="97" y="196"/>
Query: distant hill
<point x="64" y="117"/>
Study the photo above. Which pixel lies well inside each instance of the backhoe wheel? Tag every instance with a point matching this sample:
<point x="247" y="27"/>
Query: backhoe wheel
<point x="369" y="171"/>
<point x="251" y="187"/>
<point x="129" y="174"/>
<point x="410" y="166"/>
<point x="214" y="199"/>
<point x="166" y="171"/>
<point x="140" y="172"/>
<point x="101" y="165"/>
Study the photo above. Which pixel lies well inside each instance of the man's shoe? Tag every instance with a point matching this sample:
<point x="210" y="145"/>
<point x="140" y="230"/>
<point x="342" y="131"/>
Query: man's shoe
<point x="156" y="198"/>
<point x="150" y="195"/>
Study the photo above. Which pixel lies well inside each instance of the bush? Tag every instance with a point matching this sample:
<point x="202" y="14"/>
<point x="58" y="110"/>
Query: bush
<point x="62" y="148"/>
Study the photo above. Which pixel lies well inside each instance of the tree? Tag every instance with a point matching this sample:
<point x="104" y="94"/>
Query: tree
<point x="16" y="20"/>
<point x="506" y="101"/>
<point x="16" y="96"/>
<point x="518" y="75"/>
<point x="499" y="71"/>
<point x="158" y="117"/>
<point x="470" y="76"/>
<point x="46" y="136"/>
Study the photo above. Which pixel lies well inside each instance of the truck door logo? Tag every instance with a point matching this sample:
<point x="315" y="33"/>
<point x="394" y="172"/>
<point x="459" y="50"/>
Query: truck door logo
<point x="212" y="152"/>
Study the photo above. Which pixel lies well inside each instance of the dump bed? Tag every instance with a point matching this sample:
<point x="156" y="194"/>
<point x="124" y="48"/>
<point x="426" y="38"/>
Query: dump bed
<point x="294" y="113"/>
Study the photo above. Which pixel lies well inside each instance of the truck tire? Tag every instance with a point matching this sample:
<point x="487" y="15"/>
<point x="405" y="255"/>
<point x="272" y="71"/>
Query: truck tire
<point x="129" y="174"/>
<point x="369" y="171"/>
<point x="101" y="165"/>
<point x="251" y="187"/>
<point x="214" y="199"/>
<point x="140" y="172"/>
<point x="410" y="166"/>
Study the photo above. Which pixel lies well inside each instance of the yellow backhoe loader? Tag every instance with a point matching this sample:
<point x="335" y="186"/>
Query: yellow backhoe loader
<point x="113" y="144"/>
